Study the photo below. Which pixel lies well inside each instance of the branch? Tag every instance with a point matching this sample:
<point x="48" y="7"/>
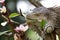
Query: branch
<point x="36" y="3"/>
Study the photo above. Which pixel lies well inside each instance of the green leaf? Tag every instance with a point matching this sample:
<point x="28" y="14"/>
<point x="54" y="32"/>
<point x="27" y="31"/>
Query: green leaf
<point x="1" y="33"/>
<point x="43" y="23"/>
<point x="12" y="15"/>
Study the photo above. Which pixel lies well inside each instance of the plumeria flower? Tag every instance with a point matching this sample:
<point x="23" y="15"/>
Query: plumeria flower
<point x="2" y="1"/>
<point x="3" y="9"/>
<point x="22" y="27"/>
<point x="4" y="23"/>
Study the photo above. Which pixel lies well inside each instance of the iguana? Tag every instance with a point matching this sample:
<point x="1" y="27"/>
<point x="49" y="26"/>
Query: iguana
<point x="42" y="13"/>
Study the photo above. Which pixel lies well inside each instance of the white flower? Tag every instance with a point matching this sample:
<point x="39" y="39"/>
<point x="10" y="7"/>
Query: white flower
<point x="4" y="23"/>
<point x="22" y="27"/>
<point x="3" y="9"/>
<point x="2" y="1"/>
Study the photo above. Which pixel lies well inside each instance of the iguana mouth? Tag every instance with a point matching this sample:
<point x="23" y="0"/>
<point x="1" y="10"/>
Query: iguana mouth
<point x="37" y="19"/>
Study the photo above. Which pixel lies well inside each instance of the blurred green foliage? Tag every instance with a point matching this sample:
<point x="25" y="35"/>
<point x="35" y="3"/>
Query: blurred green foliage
<point x="4" y="32"/>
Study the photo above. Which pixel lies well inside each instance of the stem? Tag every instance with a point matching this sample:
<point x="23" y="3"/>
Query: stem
<point x="11" y="24"/>
<point x="9" y="20"/>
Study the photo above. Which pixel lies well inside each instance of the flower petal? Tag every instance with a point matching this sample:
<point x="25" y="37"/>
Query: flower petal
<point x="2" y="1"/>
<point x="21" y="28"/>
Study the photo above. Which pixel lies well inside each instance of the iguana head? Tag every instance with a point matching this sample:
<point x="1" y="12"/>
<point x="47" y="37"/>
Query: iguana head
<point x="39" y="14"/>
